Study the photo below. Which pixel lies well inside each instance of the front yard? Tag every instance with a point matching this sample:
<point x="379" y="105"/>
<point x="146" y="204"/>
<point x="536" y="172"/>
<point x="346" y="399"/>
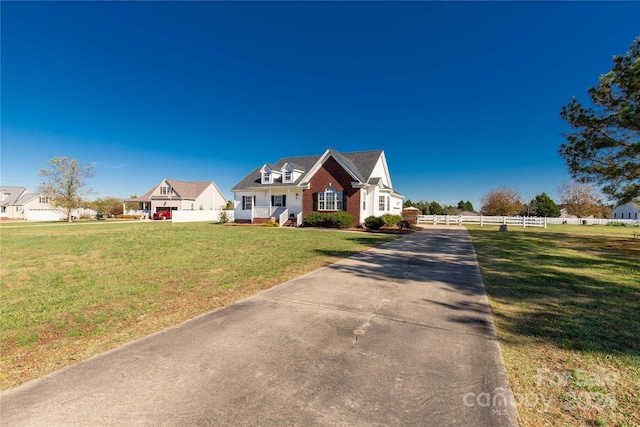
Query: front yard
<point x="566" y="303"/>
<point x="70" y="291"/>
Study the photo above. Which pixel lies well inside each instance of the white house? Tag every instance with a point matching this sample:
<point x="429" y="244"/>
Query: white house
<point x="288" y="190"/>
<point x="629" y="210"/>
<point x="174" y="195"/>
<point x="19" y="203"/>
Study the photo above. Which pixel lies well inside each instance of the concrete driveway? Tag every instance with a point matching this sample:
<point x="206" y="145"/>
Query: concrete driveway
<point x="400" y="335"/>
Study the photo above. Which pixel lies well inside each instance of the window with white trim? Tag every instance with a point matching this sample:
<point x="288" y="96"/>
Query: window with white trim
<point x="266" y="177"/>
<point x="247" y="203"/>
<point x="44" y="199"/>
<point x="330" y="200"/>
<point x="166" y="191"/>
<point x="382" y="203"/>
<point x="288" y="176"/>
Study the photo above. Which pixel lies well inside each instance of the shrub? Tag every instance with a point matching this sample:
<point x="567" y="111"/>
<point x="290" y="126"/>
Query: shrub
<point x="404" y="224"/>
<point x="391" y="220"/>
<point x="373" y="222"/>
<point x="121" y="216"/>
<point x="271" y="224"/>
<point x="339" y="220"/>
<point x="329" y="220"/>
<point x="314" y="219"/>
<point x="223" y="218"/>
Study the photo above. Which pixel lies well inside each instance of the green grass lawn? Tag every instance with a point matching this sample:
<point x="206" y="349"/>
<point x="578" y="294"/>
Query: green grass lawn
<point x="69" y="291"/>
<point x="566" y="303"/>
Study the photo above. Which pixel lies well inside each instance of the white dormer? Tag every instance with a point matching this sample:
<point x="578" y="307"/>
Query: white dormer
<point x="267" y="175"/>
<point x="289" y="173"/>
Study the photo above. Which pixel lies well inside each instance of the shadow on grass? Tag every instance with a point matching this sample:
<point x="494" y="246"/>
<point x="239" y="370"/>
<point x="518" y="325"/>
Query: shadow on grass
<point x="578" y="292"/>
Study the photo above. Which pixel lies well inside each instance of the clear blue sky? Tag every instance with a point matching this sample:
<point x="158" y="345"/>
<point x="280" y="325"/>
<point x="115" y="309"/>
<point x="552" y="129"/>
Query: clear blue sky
<point x="463" y="96"/>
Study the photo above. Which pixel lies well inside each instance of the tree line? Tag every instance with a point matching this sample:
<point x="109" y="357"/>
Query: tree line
<point x="579" y="199"/>
<point x="435" y="208"/>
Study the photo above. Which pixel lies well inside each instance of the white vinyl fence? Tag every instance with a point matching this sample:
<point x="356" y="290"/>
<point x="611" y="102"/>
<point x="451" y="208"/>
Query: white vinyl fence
<point x="518" y="221"/>
<point x="194" y="216"/>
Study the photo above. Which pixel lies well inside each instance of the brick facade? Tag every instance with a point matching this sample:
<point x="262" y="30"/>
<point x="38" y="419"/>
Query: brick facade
<point x="331" y="173"/>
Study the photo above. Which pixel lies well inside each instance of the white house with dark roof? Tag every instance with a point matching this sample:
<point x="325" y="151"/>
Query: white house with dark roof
<point x="288" y="190"/>
<point x="629" y="210"/>
<point x="172" y="195"/>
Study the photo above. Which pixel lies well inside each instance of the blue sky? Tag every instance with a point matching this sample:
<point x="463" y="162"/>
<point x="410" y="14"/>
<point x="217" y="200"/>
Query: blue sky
<point x="463" y="97"/>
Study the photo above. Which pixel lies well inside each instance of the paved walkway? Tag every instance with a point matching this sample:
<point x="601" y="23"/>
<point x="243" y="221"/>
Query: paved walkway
<point x="400" y="335"/>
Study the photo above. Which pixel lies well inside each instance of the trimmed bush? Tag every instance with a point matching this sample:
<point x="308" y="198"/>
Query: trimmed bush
<point x="373" y="222"/>
<point x="391" y="220"/>
<point x="270" y="224"/>
<point x="329" y="220"/>
<point x="314" y="219"/>
<point x="339" y="220"/>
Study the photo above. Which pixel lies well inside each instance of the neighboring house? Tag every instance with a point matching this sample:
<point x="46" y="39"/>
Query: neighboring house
<point x="629" y="210"/>
<point x="288" y="190"/>
<point x="171" y="194"/>
<point x="19" y="203"/>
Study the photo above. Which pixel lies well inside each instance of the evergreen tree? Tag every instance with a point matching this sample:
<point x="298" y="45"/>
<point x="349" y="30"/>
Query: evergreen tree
<point x="604" y="144"/>
<point x="546" y="207"/>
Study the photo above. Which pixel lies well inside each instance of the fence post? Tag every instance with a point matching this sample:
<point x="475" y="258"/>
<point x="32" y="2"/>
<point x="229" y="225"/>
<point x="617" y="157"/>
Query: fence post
<point x="545" y="222"/>
<point x="481" y="220"/>
<point x="446" y="220"/>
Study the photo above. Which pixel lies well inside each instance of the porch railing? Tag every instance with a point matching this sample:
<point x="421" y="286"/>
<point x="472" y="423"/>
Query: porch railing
<point x="262" y="211"/>
<point x="284" y="216"/>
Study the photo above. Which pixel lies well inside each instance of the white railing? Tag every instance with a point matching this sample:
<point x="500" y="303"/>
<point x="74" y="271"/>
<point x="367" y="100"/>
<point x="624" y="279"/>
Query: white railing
<point x="483" y="220"/>
<point x="262" y="211"/>
<point x="299" y="219"/>
<point x="284" y="216"/>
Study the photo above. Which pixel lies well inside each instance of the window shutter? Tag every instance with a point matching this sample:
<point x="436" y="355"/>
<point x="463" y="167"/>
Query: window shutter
<point x="284" y="200"/>
<point x="315" y="202"/>
<point x="272" y="200"/>
<point x="244" y="203"/>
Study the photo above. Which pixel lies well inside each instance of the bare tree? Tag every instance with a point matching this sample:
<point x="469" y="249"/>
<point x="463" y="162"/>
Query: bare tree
<point x="63" y="181"/>
<point x="501" y="201"/>
<point x="581" y="200"/>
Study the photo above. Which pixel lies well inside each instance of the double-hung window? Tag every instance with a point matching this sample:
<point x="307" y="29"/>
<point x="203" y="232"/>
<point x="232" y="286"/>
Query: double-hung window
<point x="266" y="177"/>
<point x="247" y="203"/>
<point x="165" y="191"/>
<point x="330" y="200"/>
<point x="382" y="203"/>
<point x="288" y="176"/>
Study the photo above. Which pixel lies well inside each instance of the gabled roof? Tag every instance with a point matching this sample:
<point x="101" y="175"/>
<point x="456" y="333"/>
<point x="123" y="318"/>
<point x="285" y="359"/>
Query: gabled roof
<point x="636" y="205"/>
<point x="26" y="198"/>
<point x="13" y="194"/>
<point x="181" y="190"/>
<point x="359" y="164"/>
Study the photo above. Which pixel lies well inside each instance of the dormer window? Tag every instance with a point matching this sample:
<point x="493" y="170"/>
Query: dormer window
<point x="266" y="177"/>
<point x="288" y="176"/>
